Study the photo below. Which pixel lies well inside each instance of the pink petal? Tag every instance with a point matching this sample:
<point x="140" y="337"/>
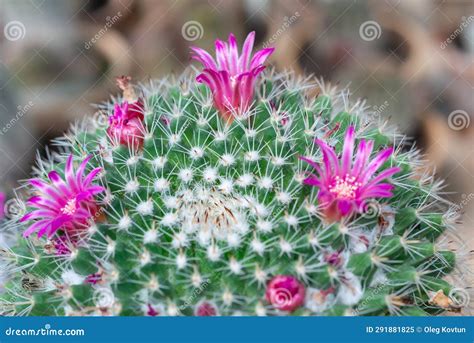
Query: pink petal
<point x="204" y="57"/>
<point x="383" y="175"/>
<point x="87" y="181"/>
<point x="95" y="190"/>
<point x="381" y="190"/>
<point x="42" y="202"/>
<point x="347" y="150"/>
<point x="222" y="56"/>
<point x="330" y="160"/>
<point x="376" y="163"/>
<point x="257" y="70"/>
<point x="37" y="214"/>
<point x="59" y="182"/>
<point x="81" y="169"/>
<point x="56" y="224"/>
<point x="247" y="82"/>
<point x="226" y="84"/>
<point x="35" y="226"/>
<point x="312" y="181"/>
<point x="202" y="78"/>
<point x="246" y="51"/>
<point x="44" y="188"/>
<point x="215" y="78"/>
<point x="69" y="172"/>
<point x="260" y="57"/>
<point x="362" y="157"/>
<point x="314" y="165"/>
<point x="38" y="183"/>
<point x="233" y="54"/>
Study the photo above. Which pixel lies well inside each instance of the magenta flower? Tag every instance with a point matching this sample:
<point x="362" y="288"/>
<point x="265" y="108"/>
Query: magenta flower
<point x="231" y="77"/>
<point x="63" y="204"/>
<point x="152" y="312"/>
<point x="285" y="293"/>
<point x="345" y="185"/>
<point x="126" y="124"/>
<point x="206" y="309"/>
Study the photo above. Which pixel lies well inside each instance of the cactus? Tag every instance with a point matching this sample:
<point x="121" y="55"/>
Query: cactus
<point x="187" y="200"/>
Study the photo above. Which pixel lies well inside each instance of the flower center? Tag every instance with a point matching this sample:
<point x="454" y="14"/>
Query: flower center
<point x="345" y="187"/>
<point x="70" y="207"/>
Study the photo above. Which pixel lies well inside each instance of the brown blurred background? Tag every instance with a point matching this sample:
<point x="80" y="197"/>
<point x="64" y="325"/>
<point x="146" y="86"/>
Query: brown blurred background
<point x="412" y="60"/>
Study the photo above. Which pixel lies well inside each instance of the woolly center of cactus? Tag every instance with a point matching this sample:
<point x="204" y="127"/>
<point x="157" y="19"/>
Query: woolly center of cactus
<point x="345" y="188"/>
<point x="208" y="211"/>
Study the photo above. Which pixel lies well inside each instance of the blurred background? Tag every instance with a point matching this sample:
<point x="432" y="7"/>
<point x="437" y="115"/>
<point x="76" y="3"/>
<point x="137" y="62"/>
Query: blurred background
<point x="413" y="60"/>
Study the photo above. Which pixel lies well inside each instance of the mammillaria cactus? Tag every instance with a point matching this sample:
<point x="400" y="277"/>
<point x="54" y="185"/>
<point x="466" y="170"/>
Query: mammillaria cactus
<point x="255" y="193"/>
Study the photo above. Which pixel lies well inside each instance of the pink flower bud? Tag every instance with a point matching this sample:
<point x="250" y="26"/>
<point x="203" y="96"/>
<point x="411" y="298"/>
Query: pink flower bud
<point x="206" y="308"/>
<point x="285" y="293"/>
<point x="126" y="125"/>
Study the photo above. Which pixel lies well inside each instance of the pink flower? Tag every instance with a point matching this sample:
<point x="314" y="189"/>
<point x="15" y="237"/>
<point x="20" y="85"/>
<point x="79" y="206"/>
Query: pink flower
<point x="206" y="309"/>
<point x="285" y="293"/>
<point x="126" y="124"/>
<point x="231" y="77"/>
<point x="152" y="312"/>
<point x="345" y="185"/>
<point x="63" y="204"/>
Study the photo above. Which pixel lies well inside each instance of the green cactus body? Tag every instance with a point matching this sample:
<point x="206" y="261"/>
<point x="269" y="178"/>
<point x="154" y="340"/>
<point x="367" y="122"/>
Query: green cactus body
<point x="207" y="212"/>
